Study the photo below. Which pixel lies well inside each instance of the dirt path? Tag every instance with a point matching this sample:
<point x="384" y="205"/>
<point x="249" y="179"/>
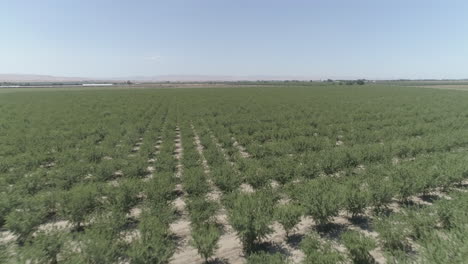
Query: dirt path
<point x="230" y="247"/>
<point x="151" y="162"/>
<point x="185" y="253"/>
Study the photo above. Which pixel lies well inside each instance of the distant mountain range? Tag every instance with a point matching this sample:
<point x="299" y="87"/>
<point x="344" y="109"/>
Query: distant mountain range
<point x="38" y="78"/>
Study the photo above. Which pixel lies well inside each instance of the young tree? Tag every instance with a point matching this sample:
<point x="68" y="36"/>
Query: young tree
<point x="321" y="199"/>
<point x="205" y="239"/>
<point x="202" y="210"/>
<point x="45" y="247"/>
<point x="24" y="221"/>
<point x="319" y="252"/>
<point x="250" y="215"/>
<point x="265" y="258"/>
<point x="79" y="202"/>
<point x="359" y="246"/>
<point x="289" y="215"/>
<point x="154" y="244"/>
<point x="357" y="198"/>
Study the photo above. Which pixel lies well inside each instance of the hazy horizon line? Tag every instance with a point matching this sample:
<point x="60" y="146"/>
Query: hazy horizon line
<point x="19" y="77"/>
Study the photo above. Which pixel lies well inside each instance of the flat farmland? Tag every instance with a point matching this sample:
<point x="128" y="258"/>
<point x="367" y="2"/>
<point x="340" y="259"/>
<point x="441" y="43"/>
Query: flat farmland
<point x="309" y="173"/>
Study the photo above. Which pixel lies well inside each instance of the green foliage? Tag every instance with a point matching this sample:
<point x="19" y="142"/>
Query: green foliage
<point x="407" y="181"/>
<point x="136" y="168"/>
<point x="320" y="252"/>
<point x="357" y="197"/>
<point x="154" y="245"/>
<point x="205" y="239"/>
<point x="166" y="163"/>
<point x="289" y="215"/>
<point x="446" y="214"/>
<point x="194" y="180"/>
<point x="225" y="178"/>
<point x="419" y="222"/>
<point x="283" y="170"/>
<point x="381" y="190"/>
<point x="449" y="247"/>
<point x="45" y="247"/>
<point x="7" y="203"/>
<point x="123" y="197"/>
<point x="320" y="199"/>
<point x="358" y="246"/>
<point x="4" y="254"/>
<point x="191" y="159"/>
<point x="160" y="189"/>
<point x="265" y="258"/>
<point x="251" y="215"/>
<point x="105" y="170"/>
<point x="393" y="234"/>
<point x="79" y="202"/>
<point x="24" y="220"/>
<point x="100" y="245"/>
<point x="256" y="176"/>
<point x="59" y="152"/>
<point x="202" y="210"/>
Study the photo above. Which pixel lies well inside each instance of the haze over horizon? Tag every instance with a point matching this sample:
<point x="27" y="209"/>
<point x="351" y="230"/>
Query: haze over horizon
<point x="313" y="39"/>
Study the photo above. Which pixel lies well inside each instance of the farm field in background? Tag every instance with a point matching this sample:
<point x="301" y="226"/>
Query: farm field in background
<point x="279" y="174"/>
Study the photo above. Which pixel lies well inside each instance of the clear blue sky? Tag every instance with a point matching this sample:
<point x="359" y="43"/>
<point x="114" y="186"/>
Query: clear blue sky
<point x="320" y="39"/>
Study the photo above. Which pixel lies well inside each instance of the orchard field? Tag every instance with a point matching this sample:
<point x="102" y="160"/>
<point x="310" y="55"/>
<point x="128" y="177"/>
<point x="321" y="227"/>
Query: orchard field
<point x="277" y="174"/>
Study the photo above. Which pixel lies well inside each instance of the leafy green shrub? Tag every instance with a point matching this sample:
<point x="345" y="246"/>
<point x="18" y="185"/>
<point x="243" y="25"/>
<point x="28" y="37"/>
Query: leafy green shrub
<point x="408" y="182"/>
<point x="166" y="163"/>
<point x="191" y="159"/>
<point x="309" y="168"/>
<point x="105" y="170"/>
<point x="318" y="252"/>
<point x="289" y="215"/>
<point x="393" y="234"/>
<point x="449" y="247"/>
<point x="4" y="166"/>
<point x="225" y="178"/>
<point x="213" y="156"/>
<point x="4" y="252"/>
<point x="420" y="222"/>
<point x="8" y="201"/>
<point x="256" y="176"/>
<point x="202" y="210"/>
<point x="205" y="239"/>
<point x="45" y="247"/>
<point x="358" y="246"/>
<point x="265" y="258"/>
<point x="446" y="214"/>
<point x="251" y="215"/>
<point x="283" y="169"/>
<point x="94" y="155"/>
<point x="154" y="244"/>
<point x="135" y="168"/>
<point x="65" y="178"/>
<point x="79" y="202"/>
<point x="381" y="189"/>
<point x="33" y="182"/>
<point x="100" y="246"/>
<point x="195" y="183"/>
<point x="160" y="189"/>
<point x="331" y="161"/>
<point x="320" y="199"/>
<point x="123" y="197"/>
<point x="357" y="197"/>
<point x="25" y="220"/>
